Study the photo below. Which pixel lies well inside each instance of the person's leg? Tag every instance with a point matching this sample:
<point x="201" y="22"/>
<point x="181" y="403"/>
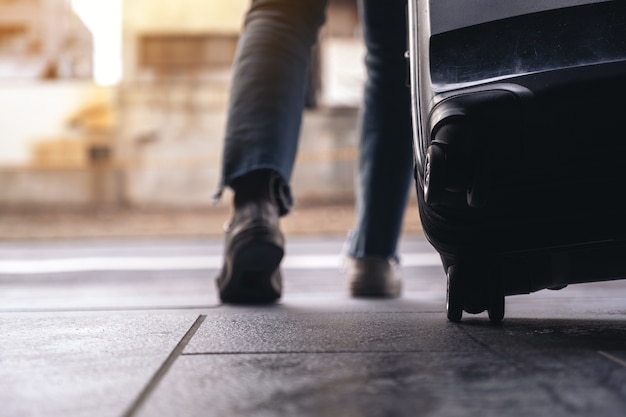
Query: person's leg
<point x="268" y="89"/>
<point x="385" y="152"/>
<point x="264" y="116"/>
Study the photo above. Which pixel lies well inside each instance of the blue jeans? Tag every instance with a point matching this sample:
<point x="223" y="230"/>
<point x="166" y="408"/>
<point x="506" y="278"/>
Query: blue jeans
<point x="267" y="100"/>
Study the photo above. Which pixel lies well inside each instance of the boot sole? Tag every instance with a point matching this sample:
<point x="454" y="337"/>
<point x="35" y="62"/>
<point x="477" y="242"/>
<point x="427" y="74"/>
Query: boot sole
<point x="253" y="275"/>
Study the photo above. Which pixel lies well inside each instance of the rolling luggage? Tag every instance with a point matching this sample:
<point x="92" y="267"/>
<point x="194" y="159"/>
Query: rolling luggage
<point x="519" y="118"/>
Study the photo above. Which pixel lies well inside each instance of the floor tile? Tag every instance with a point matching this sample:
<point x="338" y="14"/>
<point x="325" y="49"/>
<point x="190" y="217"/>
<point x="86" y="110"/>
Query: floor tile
<point x="87" y="364"/>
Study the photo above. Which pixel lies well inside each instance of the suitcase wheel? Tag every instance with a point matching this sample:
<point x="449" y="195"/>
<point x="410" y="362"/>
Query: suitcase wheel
<point x="478" y="188"/>
<point x="454" y="295"/>
<point x="496" y="301"/>
<point x="485" y="295"/>
<point x="434" y="174"/>
<point x="448" y="170"/>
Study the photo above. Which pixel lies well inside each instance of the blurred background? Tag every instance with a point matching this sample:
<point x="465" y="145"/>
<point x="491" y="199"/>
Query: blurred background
<point x="118" y="106"/>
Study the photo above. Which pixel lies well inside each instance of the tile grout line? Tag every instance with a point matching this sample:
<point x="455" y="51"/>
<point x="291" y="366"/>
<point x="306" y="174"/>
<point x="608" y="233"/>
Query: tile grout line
<point x="612" y="358"/>
<point x="164" y="368"/>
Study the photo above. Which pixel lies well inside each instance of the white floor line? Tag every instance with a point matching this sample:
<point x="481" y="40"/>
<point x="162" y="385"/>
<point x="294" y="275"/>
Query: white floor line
<point x="59" y="265"/>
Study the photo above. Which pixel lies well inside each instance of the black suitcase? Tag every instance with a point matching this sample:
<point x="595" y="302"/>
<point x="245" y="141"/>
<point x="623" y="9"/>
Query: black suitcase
<point x="519" y="112"/>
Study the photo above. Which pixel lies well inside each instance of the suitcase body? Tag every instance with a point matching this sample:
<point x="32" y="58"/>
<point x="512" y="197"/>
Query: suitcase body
<point x="519" y="117"/>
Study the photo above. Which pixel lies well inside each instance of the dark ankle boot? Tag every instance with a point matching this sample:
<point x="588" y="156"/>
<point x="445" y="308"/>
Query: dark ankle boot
<point x="254" y="245"/>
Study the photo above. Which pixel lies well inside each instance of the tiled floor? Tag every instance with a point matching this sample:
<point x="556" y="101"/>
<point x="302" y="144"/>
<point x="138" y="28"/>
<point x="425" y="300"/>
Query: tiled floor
<point x="158" y="343"/>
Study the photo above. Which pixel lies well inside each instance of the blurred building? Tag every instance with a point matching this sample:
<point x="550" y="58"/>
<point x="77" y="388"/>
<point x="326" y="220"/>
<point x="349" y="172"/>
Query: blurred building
<point x="46" y="146"/>
<point x="43" y="39"/>
<point x="177" y="67"/>
<point x="156" y="137"/>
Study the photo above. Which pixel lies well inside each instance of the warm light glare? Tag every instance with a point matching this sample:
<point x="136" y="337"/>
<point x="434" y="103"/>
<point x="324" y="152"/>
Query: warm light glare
<point x="104" y="20"/>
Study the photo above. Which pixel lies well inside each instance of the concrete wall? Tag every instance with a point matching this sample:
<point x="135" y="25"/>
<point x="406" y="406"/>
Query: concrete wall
<point x="171" y="134"/>
<point x="170" y="138"/>
<point x="180" y="168"/>
<point x="62" y="188"/>
<point x="167" y="148"/>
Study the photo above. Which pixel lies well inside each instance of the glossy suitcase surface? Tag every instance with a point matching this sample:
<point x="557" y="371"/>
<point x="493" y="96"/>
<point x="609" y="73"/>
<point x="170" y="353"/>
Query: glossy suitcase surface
<point x="520" y="143"/>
